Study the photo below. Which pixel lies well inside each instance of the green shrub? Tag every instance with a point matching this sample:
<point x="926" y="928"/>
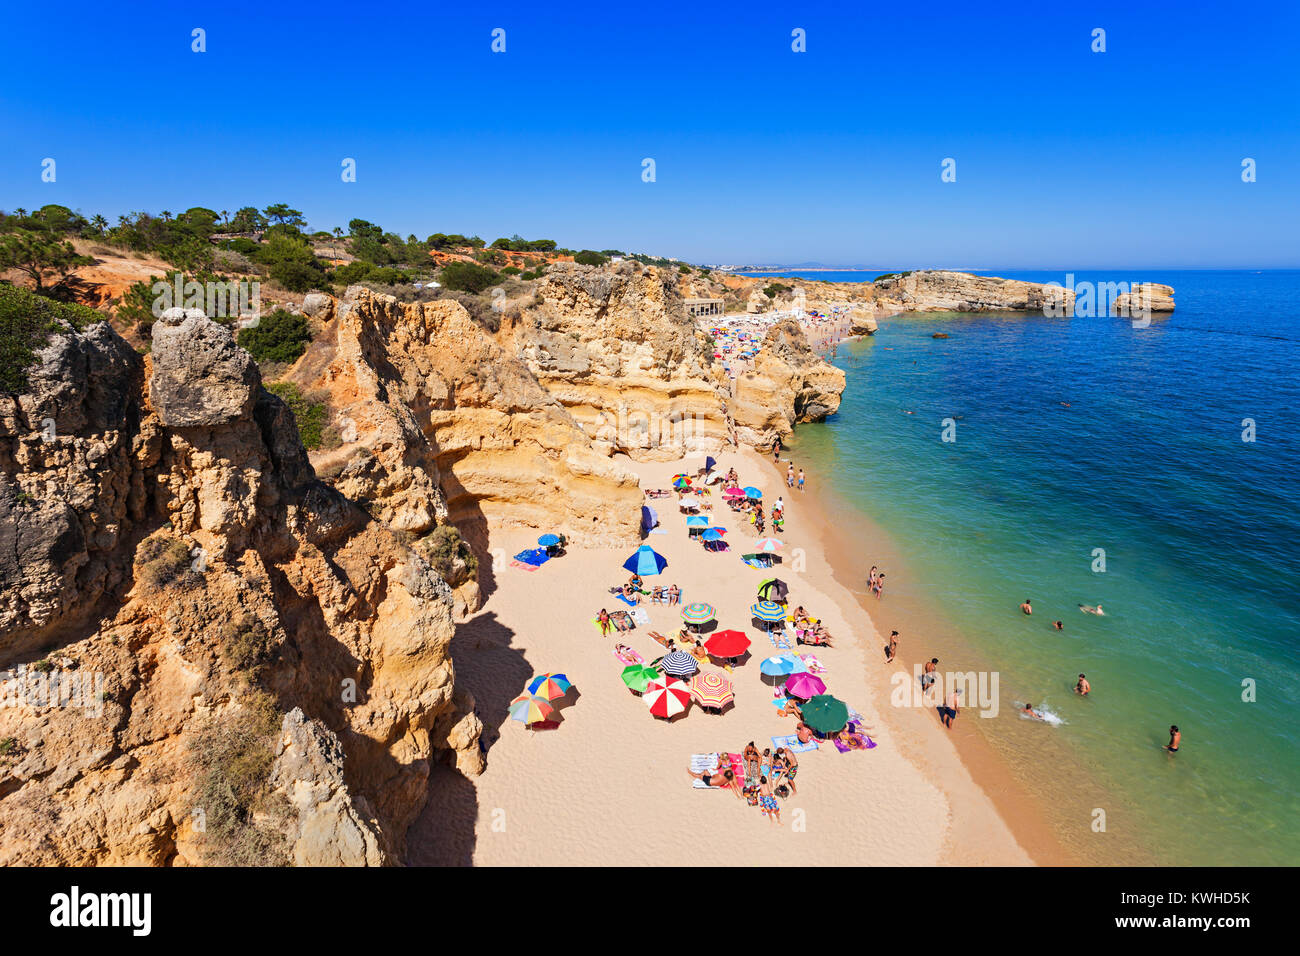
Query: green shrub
<point x="589" y="257"/>
<point x="449" y="555"/>
<point x="161" y="560"/>
<point x="281" y="336"/>
<point x="246" y="646"/>
<point x="311" y="413"/>
<point x="26" y="322"/>
<point x="468" y="277"/>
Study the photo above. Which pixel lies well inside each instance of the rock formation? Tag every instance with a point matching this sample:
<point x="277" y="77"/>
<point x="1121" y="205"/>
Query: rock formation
<point x="174" y="580"/>
<point x="787" y="385"/>
<point x="1144" y="297"/>
<point x="939" y="291"/>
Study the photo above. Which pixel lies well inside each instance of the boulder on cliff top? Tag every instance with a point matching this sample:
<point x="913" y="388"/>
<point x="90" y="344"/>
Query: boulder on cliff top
<point x="200" y="376"/>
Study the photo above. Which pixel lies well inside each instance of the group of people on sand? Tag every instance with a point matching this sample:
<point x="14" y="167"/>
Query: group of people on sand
<point x="767" y="776"/>
<point x="790" y="480"/>
<point x="876" y="582"/>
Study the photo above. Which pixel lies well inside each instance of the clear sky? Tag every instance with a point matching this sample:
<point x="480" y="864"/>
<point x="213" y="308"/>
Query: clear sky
<point x="1065" y="158"/>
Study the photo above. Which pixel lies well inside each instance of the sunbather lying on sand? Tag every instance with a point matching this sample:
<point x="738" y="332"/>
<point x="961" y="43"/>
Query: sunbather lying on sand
<point x="660" y="639"/>
<point x="719" y="779"/>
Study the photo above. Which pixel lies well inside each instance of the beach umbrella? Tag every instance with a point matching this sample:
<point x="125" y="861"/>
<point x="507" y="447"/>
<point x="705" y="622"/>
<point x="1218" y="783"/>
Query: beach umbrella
<point x="645" y="561"/>
<point x="768" y="545"/>
<point x="713" y="534"/>
<point x="768" y="611"/>
<point x="648" y="517"/>
<point x="682" y="475"/>
<point x="711" y="689"/>
<point x="679" y="664"/>
<point x="550" y="686"/>
<point x="825" y="714"/>
<point x="697" y="521"/>
<point x="530" y="710"/>
<point x="691" y="505"/>
<point x="667" y="697"/>
<point x="752" y="492"/>
<point x="727" y="644"/>
<point x="805" y="686"/>
<point x="637" y="676"/>
<point x="782" y="665"/>
<point x="732" y="492"/>
<point x="548" y="540"/>
<point x="709" y="463"/>
<point x="698" y="613"/>
<point x="773" y="587"/>
<point x="681" y="482"/>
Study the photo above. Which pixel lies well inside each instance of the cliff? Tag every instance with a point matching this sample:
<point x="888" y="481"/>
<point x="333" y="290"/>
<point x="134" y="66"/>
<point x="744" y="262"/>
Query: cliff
<point x="258" y="672"/>
<point x="787" y="385"/>
<point x="940" y="291"/>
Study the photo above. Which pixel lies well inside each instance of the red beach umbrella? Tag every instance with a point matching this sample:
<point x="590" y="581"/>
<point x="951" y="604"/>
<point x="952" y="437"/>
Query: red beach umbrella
<point x="727" y="644"/>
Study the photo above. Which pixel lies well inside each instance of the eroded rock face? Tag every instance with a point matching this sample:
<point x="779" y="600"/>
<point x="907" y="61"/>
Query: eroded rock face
<point x="189" y="568"/>
<point x="788" y="385"/>
<point x="941" y="291"/>
<point x="1144" y="297"/>
<point x="449" y="427"/>
<point x="616" y="349"/>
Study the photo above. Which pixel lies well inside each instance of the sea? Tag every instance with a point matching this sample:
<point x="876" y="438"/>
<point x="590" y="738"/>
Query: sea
<point x="1154" y="471"/>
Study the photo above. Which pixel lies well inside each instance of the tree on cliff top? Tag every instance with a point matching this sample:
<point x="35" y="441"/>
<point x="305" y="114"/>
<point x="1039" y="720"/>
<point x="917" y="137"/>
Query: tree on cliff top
<point x="39" y="255"/>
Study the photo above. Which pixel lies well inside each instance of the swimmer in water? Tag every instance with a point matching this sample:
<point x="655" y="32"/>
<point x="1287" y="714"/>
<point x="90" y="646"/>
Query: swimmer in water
<point x="1027" y="607"/>
<point x="1082" y="688"/>
<point x="1089" y="609"/>
<point x="1059" y="625"/>
<point x="1175" y="738"/>
<point x="1030" y="712"/>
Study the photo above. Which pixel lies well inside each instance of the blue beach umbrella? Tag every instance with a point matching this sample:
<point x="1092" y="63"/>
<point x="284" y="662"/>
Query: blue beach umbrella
<point x="645" y="561"/>
<point x="648" y="517"/>
<point x="752" y="492"/>
<point x="768" y="611"/>
<point x="697" y="521"/>
<point x="713" y="534"/>
<point x="783" y="665"/>
<point x="548" y="540"/>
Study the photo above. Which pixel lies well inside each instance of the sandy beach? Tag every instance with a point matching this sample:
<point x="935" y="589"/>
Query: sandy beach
<point x="610" y="785"/>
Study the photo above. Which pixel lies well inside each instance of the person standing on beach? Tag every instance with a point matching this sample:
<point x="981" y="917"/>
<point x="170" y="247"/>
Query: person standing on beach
<point x="1175" y="738"/>
<point x="801" y="479"/>
<point x="871" y="579"/>
<point x="767" y="801"/>
<point x="880" y="584"/>
<point x="892" y="649"/>
<point x="927" y="674"/>
<point x="789" y="476"/>
<point x="1083" y="688"/>
<point x="776" y="450"/>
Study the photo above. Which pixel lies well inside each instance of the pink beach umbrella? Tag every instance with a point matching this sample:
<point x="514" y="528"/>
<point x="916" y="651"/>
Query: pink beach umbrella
<point x="805" y="686"/>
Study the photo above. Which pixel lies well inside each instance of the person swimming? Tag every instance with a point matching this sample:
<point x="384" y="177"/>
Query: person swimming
<point x="1082" y="687"/>
<point x="1027" y="607"/>
<point x="1089" y="609"/>
<point x="1059" y="625"/>
<point x="1175" y="738"/>
<point x="1030" y="712"/>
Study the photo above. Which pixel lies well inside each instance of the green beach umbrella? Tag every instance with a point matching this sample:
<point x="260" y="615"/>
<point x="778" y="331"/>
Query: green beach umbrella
<point x="636" y="676"/>
<point x="825" y="714"/>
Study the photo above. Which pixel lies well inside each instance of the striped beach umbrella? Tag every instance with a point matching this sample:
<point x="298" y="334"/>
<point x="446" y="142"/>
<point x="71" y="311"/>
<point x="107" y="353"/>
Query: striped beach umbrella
<point x="782" y="665"/>
<point x="711" y="689"/>
<point x="529" y="710"/>
<point x="701" y="613"/>
<point x="681" y="482"/>
<point x="768" y="611"/>
<point x="637" y="676"/>
<point x="550" y="686"/>
<point x="768" y="545"/>
<point x="752" y="492"/>
<point x="805" y="686"/>
<point x="727" y="644"/>
<point x="825" y="714"/>
<point x="679" y="664"/>
<point x="667" y="697"/>
<point x="697" y="521"/>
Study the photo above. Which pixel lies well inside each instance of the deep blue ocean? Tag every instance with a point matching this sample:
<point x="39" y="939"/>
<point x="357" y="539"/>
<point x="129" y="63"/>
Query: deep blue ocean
<point x="1080" y="434"/>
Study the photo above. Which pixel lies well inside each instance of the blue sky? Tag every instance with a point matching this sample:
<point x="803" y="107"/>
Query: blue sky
<point x="1066" y="159"/>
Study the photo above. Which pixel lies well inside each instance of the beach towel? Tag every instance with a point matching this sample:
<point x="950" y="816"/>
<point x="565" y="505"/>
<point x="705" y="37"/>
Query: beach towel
<point x="755" y="563"/>
<point x="533" y="556"/>
<point x="791" y="742"/>
<point x="630" y="657"/>
<point x="640" y="616"/>
<point x="811" y="662"/>
<point x="779" y="702"/>
<point x="779" y="639"/>
<point x="866" y="742"/>
<point x="657" y="531"/>
<point x="626" y="600"/>
<point x="523" y="567"/>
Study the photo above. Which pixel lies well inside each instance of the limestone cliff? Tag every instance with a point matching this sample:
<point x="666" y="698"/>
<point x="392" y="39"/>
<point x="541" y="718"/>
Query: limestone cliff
<point x="617" y="350"/>
<point x="787" y="385"/>
<point x="446" y="426"/>
<point x="259" y="672"/>
<point x="941" y="291"/>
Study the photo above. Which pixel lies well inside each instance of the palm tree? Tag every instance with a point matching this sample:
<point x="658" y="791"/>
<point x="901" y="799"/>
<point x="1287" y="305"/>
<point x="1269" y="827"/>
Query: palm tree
<point x="338" y="234"/>
<point x="20" y="212"/>
<point x="225" y="217"/>
<point x="100" y="223"/>
<point x="165" y="215"/>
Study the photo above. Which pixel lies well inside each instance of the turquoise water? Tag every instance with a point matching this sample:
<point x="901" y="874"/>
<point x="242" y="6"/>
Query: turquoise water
<point x="1201" y="533"/>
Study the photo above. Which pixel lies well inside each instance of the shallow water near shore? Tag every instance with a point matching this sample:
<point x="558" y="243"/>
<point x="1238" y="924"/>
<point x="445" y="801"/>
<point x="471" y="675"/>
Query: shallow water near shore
<point x="1086" y="434"/>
